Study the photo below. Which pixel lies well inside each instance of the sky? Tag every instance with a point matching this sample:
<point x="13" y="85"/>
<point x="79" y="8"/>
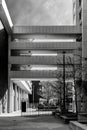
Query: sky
<point x="1" y="26"/>
<point x="40" y="12"/>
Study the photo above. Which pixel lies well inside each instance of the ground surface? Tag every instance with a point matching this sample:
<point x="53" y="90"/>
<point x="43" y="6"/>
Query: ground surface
<point x="32" y="123"/>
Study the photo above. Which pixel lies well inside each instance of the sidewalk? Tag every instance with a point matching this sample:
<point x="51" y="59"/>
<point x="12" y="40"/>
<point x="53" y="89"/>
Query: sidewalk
<point x="32" y="123"/>
<point x="12" y="114"/>
<point x="29" y="112"/>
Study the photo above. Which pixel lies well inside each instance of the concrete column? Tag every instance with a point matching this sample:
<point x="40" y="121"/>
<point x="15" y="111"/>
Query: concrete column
<point x="15" y="98"/>
<point x="0" y="106"/>
<point x="84" y="48"/>
<point x="9" y="108"/>
<point x="18" y="98"/>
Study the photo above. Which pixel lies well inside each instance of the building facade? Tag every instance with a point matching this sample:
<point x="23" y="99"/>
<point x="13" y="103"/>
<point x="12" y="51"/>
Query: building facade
<point x="26" y="43"/>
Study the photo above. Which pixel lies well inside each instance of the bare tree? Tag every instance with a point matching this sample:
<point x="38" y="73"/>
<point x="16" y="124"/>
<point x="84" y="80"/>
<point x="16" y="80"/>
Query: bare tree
<point x="73" y="71"/>
<point x="47" y="91"/>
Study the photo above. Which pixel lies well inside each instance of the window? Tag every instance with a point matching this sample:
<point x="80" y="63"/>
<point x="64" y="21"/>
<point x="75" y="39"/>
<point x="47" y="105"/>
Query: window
<point x="74" y="17"/>
<point x="74" y="5"/>
<point x="80" y="2"/>
<point x="80" y="15"/>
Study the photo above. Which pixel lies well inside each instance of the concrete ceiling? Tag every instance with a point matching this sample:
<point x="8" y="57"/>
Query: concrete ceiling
<point x="40" y="12"/>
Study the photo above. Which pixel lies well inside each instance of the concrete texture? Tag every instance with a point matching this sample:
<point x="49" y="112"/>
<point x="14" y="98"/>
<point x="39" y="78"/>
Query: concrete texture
<point x="74" y="125"/>
<point x="32" y="123"/>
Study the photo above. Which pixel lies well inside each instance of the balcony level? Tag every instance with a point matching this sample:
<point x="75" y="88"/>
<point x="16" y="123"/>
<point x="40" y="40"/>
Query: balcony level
<point x="44" y="45"/>
<point x="41" y="60"/>
<point x="56" y="30"/>
<point x="36" y="74"/>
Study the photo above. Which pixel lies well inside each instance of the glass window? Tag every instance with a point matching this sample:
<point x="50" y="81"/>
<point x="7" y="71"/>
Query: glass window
<point x="80" y="15"/>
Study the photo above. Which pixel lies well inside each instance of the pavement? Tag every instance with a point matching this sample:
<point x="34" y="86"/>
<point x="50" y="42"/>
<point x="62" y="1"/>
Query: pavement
<point x="32" y="123"/>
<point x="28" y="112"/>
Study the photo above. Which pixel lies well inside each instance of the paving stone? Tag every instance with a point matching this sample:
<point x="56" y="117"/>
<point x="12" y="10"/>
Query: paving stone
<point x="32" y="123"/>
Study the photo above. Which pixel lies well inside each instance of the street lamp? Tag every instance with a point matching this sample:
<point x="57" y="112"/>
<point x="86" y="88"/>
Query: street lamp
<point x="64" y="104"/>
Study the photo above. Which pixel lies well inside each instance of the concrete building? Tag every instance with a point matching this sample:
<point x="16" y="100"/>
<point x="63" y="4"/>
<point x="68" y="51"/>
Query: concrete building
<point x="12" y="96"/>
<point x="30" y="47"/>
<point x="79" y="17"/>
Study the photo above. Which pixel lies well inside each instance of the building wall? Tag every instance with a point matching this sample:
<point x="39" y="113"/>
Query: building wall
<point x="77" y="9"/>
<point x="84" y="29"/>
<point x="80" y="19"/>
<point x="84" y="53"/>
<point x="3" y="70"/>
<point x="16" y="96"/>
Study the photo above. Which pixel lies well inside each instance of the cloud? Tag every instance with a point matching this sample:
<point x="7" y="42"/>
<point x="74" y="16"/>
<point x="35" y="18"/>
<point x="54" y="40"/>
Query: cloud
<point x="40" y="12"/>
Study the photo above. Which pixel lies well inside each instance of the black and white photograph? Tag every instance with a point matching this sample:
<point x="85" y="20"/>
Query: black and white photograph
<point x="43" y="65"/>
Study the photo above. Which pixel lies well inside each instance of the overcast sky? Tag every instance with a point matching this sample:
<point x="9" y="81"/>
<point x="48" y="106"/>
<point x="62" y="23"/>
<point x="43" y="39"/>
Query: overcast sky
<point x="40" y="12"/>
<point x="1" y="26"/>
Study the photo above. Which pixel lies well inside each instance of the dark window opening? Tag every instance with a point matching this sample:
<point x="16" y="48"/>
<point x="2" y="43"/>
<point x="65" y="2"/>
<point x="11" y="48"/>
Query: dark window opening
<point x="80" y="2"/>
<point x="20" y="53"/>
<point x="80" y="15"/>
<point x="17" y="67"/>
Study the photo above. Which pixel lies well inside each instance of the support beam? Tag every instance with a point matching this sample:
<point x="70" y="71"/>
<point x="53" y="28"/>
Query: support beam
<point x="40" y="60"/>
<point x="44" y="36"/>
<point x="31" y="74"/>
<point x="5" y="17"/>
<point x="34" y="60"/>
<point x="22" y="45"/>
<point x="16" y="100"/>
<point x="58" y="30"/>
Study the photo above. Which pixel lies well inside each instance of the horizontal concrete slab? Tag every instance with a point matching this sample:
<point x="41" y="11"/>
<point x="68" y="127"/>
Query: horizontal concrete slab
<point x="69" y="30"/>
<point x="34" y="74"/>
<point x="41" y="60"/>
<point x="44" y="45"/>
<point x="33" y="60"/>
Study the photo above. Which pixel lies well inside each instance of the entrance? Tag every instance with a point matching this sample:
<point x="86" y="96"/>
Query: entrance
<point x="23" y="106"/>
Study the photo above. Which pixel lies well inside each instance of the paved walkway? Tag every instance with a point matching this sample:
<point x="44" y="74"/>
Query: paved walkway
<point x="32" y="123"/>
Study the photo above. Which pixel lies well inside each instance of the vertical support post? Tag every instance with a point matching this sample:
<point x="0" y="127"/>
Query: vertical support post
<point x="16" y="98"/>
<point x="33" y="95"/>
<point x="9" y="81"/>
<point x="9" y="103"/>
<point x="64" y="100"/>
<point x="10" y="97"/>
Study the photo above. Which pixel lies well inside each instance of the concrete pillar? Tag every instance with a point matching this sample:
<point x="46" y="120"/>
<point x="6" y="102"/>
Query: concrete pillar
<point x="84" y="47"/>
<point x="0" y="106"/>
<point x="15" y="98"/>
<point x="10" y="88"/>
<point x="18" y="98"/>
